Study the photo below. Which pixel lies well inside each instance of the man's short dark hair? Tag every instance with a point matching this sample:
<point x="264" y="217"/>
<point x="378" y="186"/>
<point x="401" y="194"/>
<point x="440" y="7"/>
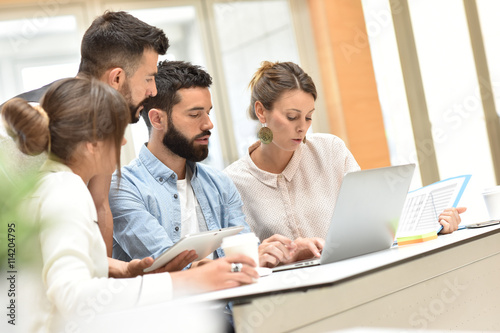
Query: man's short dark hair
<point x="173" y="76"/>
<point x="118" y="39"/>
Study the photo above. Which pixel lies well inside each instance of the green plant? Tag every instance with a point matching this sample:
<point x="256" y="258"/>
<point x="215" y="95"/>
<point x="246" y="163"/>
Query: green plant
<point x="18" y="230"/>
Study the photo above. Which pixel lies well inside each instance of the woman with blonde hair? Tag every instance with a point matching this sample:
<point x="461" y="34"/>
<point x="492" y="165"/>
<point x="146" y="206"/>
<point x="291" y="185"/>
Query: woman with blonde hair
<point x="80" y="122"/>
<point x="289" y="181"/>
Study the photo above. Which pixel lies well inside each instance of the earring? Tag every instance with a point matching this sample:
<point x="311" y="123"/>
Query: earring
<point x="304" y="140"/>
<point x="265" y="134"/>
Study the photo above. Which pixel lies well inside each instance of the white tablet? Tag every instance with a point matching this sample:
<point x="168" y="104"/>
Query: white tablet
<point x="203" y="243"/>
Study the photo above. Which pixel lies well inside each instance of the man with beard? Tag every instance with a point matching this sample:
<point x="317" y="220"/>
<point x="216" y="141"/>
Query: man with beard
<point x="122" y="51"/>
<point x="165" y="194"/>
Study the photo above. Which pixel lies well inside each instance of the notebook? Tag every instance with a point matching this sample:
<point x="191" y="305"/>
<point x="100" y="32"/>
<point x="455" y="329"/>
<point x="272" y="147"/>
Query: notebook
<point x="366" y="214"/>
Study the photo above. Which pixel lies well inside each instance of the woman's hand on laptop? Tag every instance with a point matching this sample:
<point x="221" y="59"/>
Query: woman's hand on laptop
<point x="275" y="250"/>
<point x="307" y="248"/>
<point x="450" y="219"/>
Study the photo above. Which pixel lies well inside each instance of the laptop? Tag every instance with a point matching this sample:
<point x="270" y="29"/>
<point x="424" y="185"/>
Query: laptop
<point x="366" y="214"/>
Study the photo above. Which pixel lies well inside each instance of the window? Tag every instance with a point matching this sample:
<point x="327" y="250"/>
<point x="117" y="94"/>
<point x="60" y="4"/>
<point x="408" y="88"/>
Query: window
<point x="250" y="32"/>
<point x="390" y="84"/>
<point x="490" y="25"/>
<point x="451" y="89"/>
<point x="36" y="49"/>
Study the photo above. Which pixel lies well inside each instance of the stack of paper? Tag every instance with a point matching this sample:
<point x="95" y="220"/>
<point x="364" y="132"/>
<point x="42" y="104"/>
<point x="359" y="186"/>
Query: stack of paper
<point x="405" y="240"/>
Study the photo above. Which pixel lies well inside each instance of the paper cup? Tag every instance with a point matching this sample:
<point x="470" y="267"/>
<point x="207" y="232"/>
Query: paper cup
<point x="492" y="200"/>
<point x="246" y="244"/>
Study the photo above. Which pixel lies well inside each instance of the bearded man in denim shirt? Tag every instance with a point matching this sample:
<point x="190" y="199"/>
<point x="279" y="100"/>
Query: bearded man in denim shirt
<point x="165" y="194"/>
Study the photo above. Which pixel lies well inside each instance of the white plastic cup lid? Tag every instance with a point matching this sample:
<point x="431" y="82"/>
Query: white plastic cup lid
<point x="491" y="190"/>
<point x="239" y="239"/>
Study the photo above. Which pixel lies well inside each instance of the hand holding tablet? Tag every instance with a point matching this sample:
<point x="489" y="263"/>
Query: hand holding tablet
<point x="203" y="243"/>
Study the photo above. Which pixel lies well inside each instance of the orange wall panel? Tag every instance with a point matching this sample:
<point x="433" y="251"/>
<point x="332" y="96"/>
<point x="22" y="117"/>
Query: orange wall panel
<point x="342" y="42"/>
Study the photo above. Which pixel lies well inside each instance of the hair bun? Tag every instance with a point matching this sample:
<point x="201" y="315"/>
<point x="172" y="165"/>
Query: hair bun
<point x="27" y="125"/>
<point x="264" y="67"/>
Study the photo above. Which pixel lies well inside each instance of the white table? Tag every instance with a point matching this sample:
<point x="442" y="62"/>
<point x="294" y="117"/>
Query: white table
<point x="452" y="282"/>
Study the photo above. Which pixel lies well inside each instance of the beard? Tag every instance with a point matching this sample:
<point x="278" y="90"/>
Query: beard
<point x="127" y="94"/>
<point x="177" y="143"/>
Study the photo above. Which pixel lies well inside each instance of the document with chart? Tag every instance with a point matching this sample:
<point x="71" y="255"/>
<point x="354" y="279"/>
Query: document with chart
<point x="422" y="207"/>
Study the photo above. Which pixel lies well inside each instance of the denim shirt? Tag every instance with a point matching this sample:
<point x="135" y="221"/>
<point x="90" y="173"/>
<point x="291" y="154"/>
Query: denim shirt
<point x="146" y="207"/>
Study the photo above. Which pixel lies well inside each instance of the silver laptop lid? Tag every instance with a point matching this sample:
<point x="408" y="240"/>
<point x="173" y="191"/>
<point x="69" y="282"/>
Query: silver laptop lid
<point x="367" y="212"/>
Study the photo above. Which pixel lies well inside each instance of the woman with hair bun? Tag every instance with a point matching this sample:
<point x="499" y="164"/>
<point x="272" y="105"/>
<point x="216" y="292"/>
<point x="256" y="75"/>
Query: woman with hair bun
<point x="289" y="182"/>
<point x="80" y="123"/>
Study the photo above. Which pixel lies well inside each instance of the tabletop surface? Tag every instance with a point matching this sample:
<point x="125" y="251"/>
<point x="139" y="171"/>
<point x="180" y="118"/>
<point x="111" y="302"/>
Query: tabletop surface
<point x="346" y="269"/>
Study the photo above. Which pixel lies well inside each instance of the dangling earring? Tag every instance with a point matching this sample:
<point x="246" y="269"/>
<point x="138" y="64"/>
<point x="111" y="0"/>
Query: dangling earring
<point x="304" y="140"/>
<point x="265" y="134"/>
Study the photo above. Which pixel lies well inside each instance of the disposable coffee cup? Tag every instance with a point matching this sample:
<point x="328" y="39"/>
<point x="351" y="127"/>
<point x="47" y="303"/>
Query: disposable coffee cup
<point x="246" y="244"/>
<point x="492" y="200"/>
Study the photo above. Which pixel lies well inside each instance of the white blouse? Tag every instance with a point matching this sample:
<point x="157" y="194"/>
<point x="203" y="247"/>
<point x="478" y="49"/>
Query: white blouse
<point x="75" y="264"/>
<point x="299" y="202"/>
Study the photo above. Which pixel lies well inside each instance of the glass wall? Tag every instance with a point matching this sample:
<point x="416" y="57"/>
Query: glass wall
<point x="250" y="32"/>
<point x="451" y="89"/>
<point x="450" y="83"/>
<point x="390" y="84"/>
<point x="37" y="46"/>
<point x="490" y="26"/>
<point x="36" y="50"/>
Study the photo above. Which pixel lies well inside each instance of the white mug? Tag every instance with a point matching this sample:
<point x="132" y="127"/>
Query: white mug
<point x="492" y="200"/>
